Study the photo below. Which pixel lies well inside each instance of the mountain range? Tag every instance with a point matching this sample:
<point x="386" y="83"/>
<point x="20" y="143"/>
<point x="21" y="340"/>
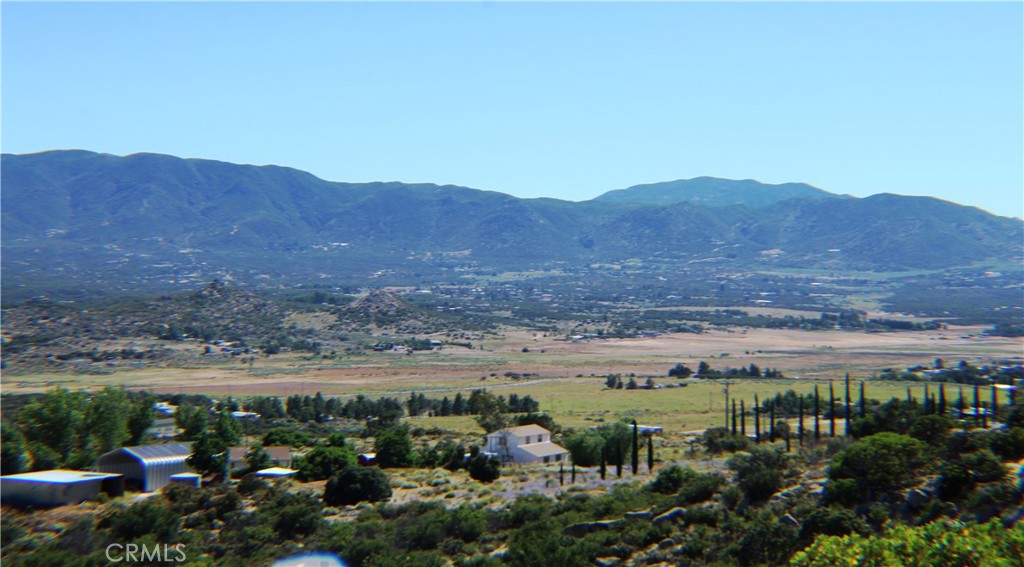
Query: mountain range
<point x="75" y="217"/>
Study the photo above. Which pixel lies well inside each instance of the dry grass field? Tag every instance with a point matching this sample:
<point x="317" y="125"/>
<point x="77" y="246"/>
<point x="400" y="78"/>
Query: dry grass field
<point x="567" y="378"/>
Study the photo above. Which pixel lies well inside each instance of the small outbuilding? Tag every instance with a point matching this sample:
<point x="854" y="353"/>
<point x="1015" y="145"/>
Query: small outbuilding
<point x="275" y="472"/>
<point x="58" y="487"/>
<point x="147" y="468"/>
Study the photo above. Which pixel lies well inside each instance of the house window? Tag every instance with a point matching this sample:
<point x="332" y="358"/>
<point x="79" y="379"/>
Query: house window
<point x="546" y="459"/>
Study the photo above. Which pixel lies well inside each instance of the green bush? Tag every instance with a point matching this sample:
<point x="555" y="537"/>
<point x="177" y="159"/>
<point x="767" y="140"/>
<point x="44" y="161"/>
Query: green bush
<point x="984" y="466"/>
<point x="671" y="479"/>
<point x="357" y="484"/>
<point x="1008" y="444"/>
<point x="955" y="481"/>
<point x="720" y="440"/>
<point x="885" y="461"/>
<point x="467" y="523"/>
<point x="150" y="516"/>
<point x="323" y="462"/>
<point x="484" y="468"/>
<point x="833" y="521"/>
<point x="760" y="472"/>
<point x="394" y="448"/>
<point x="843" y="491"/>
<point x="287" y="436"/>
<point x="932" y="429"/>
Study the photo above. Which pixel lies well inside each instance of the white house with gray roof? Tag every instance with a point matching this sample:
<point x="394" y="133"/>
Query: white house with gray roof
<point x="526" y="444"/>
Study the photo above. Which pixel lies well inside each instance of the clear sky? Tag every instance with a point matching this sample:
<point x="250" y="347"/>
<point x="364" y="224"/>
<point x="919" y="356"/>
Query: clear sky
<point x="565" y="100"/>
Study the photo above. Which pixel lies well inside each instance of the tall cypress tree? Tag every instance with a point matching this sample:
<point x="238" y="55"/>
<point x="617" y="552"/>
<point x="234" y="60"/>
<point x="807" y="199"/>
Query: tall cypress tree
<point x="734" y="417"/>
<point x="650" y="453"/>
<point x="995" y="402"/>
<point x="771" y="424"/>
<point x="847" y="404"/>
<point x="977" y="403"/>
<point x="817" y="414"/>
<point x="636" y="449"/>
<point x="743" y="418"/>
<point x="757" y="420"/>
<point x="800" y="431"/>
<point x="942" y="399"/>
<point x="831" y="410"/>
<point x="863" y="401"/>
<point x="604" y="463"/>
<point x="927" y="401"/>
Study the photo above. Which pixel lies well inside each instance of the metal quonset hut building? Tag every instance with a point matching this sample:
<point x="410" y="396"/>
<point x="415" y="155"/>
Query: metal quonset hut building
<point x="147" y="468"/>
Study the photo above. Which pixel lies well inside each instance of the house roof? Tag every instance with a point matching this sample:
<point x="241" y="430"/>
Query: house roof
<point x="59" y="476"/>
<point x="276" y="453"/>
<point x="279" y="452"/>
<point x="523" y="430"/>
<point x="545" y="449"/>
<point x="276" y="472"/>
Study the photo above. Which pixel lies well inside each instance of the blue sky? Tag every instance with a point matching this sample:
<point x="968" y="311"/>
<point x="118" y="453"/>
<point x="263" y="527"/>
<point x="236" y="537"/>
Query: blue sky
<point x="565" y="100"/>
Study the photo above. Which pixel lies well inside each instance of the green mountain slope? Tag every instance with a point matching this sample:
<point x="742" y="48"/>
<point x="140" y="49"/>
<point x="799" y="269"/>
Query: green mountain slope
<point x="96" y="221"/>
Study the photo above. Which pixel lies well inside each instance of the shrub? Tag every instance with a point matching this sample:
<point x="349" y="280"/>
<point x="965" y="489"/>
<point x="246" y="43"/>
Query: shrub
<point x="984" y="466"/>
<point x="484" y="468"/>
<point x="287" y="436"/>
<point x="671" y="479"/>
<point x="585" y="447"/>
<point x="720" y="440"/>
<point x="467" y="523"/>
<point x="357" y="484"/>
<point x="1008" y="444"/>
<point x="932" y="429"/>
<point x="955" y="481"/>
<point x="291" y="514"/>
<point x="833" y="521"/>
<point x="936" y="544"/>
<point x="986" y="502"/>
<point x="394" y="448"/>
<point x="700" y="488"/>
<point x="884" y="461"/>
<point x="150" y="516"/>
<point x="323" y="462"/>
<point x="844" y="491"/>
<point x="760" y="473"/>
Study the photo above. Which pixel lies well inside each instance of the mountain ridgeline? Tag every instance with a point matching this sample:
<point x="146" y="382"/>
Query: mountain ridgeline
<point x="79" y="218"/>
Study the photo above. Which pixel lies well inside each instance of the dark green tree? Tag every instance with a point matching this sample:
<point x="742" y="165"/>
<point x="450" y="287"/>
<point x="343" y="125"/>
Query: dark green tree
<point x="394" y="448"/>
<point x="357" y="484"/>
